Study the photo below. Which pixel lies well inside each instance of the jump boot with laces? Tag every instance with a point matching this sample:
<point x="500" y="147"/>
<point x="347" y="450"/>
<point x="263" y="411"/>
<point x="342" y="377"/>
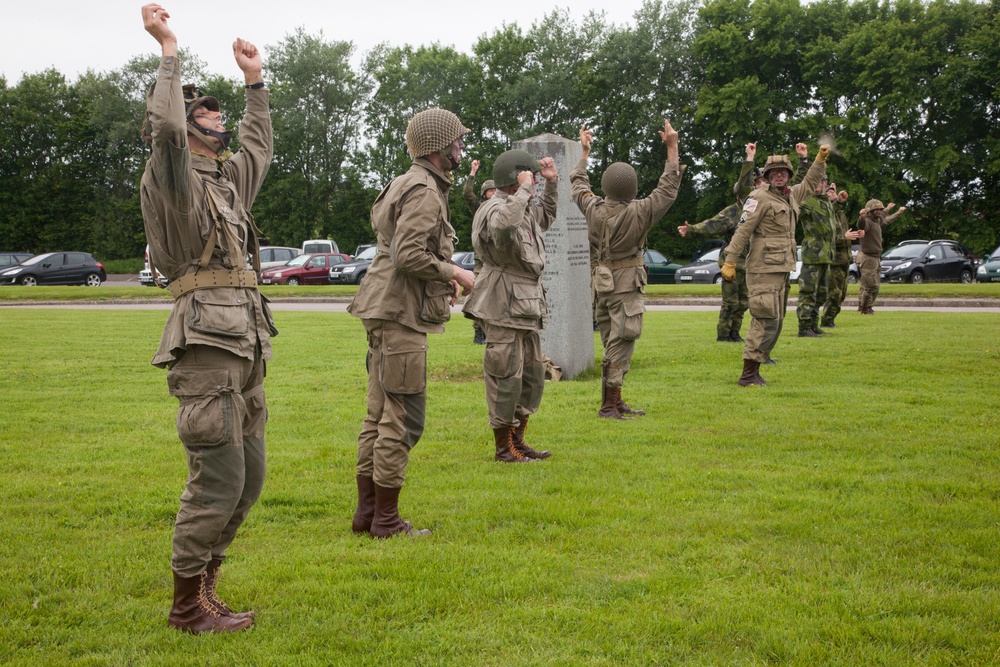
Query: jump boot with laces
<point x="386" y="521"/>
<point x="363" y="516"/>
<point x="624" y="408"/>
<point x="507" y="452"/>
<point x="523" y="447"/>
<point x="610" y="398"/>
<point x="212" y="583"/>
<point x="194" y="611"/>
<point x="751" y="374"/>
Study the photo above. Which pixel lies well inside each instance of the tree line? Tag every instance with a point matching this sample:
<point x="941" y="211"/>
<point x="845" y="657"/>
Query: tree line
<point x="906" y="91"/>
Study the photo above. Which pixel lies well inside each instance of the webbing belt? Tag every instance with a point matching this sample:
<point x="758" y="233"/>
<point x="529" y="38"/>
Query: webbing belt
<point x="208" y="278"/>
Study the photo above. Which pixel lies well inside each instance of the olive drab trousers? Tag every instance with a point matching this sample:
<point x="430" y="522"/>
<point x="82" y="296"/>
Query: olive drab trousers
<point x="221" y="422"/>
<point x="767" y="312"/>
<point x="735" y="300"/>
<point x="870" y="267"/>
<point x="836" y="293"/>
<point x="513" y="372"/>
<point x="619" y="318"/>
<point x="397" y="401"/>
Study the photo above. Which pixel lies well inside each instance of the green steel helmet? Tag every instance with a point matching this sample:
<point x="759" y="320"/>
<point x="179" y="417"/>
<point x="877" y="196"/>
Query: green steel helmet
<point x="510" y="164"/>
<point x="432" y="131"/>
<point x="874" y="205"/>
<point x="777" y="162"/>
<point x="488" y="185"/>
<point x="619" y="182"/>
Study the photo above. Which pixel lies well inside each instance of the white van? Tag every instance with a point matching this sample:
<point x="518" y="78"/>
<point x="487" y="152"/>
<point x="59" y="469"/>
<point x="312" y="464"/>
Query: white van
<point x="314" y="246"/>
<point x="146" y="275"/>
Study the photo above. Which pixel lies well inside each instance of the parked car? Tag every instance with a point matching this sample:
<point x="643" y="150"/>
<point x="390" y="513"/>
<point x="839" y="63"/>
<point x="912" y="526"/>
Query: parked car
<point x="989" y="270"/>
<point x="793" y="277"/>
<point x="361" y="248"/>
<point x="311" y="269"/>
<point x="353" y="272"/>
<point x="314" y="246"/>
<point x="927" y="261"/>
<point x="56" y="268"/>
<point x="707" y="246"/>
<point x="146" y="275"/>
<point x="465" y="259"/>
<point x="12" y="258"/>
<point x="704" y="270"/>
<point x="659" y="269"/>
<point x="276" y="255"/>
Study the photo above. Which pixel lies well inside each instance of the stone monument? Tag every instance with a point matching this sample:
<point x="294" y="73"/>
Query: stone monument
<point x="568" y="337"/>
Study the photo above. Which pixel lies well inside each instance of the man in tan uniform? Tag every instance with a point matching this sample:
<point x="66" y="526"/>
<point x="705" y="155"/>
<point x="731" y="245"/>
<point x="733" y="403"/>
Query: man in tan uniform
<point x="407" y="294"/>
<point x="195" y="198"/>
<point x="509" y="301"/>
<point x="874" y="216"/>
<point x="768" y="227"/>
<point x="617" y="227"/>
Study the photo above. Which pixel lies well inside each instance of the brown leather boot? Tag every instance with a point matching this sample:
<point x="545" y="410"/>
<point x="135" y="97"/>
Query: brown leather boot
<point x="609" y="403"/>
<point x="211" y="584"/>
<point x="194" y="612"/>
<point x="751" y="374"/>
<point x="363" y="516"/>
<point x="624" y="408"/>
<point x="503" y="437"/>
<point x="386" y="521"/>
<point x="523" y="447"/>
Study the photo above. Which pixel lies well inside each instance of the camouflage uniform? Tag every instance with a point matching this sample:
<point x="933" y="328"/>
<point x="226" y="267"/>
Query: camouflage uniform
<point x="839" y="268"/>
<point x="735" y="297"/>
<point x="217" y="338"/>
<point x="818" y="241"/>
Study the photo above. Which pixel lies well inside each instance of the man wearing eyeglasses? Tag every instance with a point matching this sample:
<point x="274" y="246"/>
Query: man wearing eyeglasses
<point x="196" y="196"/>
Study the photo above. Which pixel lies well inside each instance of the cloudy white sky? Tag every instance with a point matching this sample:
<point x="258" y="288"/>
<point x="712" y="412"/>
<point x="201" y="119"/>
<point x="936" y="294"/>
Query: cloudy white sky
<point x="105" y="34"/>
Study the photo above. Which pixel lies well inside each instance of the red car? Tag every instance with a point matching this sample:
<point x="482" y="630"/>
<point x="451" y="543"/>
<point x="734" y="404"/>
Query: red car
<point x="313" y="269"/>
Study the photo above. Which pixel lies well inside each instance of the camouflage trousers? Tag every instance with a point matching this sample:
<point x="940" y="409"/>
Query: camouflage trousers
<point x="735" y="301"/>
<point x="221" y="421"/>
<point x="836" y="292"/>
<point x="513" y="373"/>
<point x="870" y="267"/>
<point x="619" y="319"/>
<point x="397" y="401"/>
<point x="767" y="312"/>
<point x="812" y="293"/>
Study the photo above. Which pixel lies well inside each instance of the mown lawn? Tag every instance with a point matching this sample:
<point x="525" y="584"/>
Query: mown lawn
<point x="844" y="515"/>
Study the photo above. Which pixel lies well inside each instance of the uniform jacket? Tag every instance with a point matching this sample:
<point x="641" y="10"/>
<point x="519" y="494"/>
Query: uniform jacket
<point x="409" y="279"/>
<point x="723" y="224"/>
<point x="871" y="243"/>
<point x="507" y="235"/>
<point x="179" y="221"/>
<point x="629" y="222"/>
<point x="469" y="195"/>
<point x="818" y="229"/>
<point x="768" y="225"/>
<point x="842" y="251"/>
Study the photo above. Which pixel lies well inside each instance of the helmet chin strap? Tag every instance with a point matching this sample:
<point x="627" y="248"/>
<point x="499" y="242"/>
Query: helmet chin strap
<point x="221" y="143"/>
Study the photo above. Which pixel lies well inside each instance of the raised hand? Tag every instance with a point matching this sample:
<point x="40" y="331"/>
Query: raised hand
<point x="154" y="20"/>
<point x="549" y="171"/>
<point x="475" y="168"/>
<point x="248" y="59"/>
<point x="683" y="229"/>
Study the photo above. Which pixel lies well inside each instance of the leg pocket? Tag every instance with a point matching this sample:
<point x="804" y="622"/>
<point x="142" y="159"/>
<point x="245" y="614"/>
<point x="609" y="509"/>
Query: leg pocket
<point x="632" y="311"/>
<point x="764" y="303"/>
<point x="404" y="361"/>
<point x="502" y="356"/>
<point x="207" y="408"/>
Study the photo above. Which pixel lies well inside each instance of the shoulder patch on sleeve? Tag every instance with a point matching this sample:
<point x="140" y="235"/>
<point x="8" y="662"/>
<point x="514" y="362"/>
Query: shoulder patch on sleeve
<point x="750" y="206"/>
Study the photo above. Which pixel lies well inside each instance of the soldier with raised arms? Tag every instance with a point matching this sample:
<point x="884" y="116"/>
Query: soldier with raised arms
<point x="768" y="228"/>
<point x="196" y="197"/>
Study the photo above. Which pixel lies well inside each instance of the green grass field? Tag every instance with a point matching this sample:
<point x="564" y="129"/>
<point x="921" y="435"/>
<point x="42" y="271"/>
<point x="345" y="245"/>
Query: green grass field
<point x="847" y="514"/>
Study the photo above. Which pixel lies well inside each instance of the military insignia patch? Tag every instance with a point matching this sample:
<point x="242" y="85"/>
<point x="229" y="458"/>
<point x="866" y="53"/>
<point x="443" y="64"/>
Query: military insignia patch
<point x="750" y="206"/>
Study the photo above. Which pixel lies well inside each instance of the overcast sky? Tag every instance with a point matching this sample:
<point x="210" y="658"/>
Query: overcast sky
<point x="104" y="35"/>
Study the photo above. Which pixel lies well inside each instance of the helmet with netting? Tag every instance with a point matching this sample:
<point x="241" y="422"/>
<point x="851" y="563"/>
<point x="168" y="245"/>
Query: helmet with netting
<point x="432" y="131"/>
<point x="620" y="182"/>
<point x="488" y="185"/>
<point x="777" y="162"/>
<point x="510" y="164"/>
<point x="874" y="205"/>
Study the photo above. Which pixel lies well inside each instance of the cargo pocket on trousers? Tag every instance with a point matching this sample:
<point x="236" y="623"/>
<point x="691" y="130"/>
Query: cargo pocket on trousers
<point x="436" y="306"/>
<point x="220" y="316"/>
<point x="502" y="357"/>
<point x="526" y="301"/>
<point x="764" y="303"/>
<point x="632" y="310"/>
<point x="206" y="413"/>
<point x="404" y="361"/>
